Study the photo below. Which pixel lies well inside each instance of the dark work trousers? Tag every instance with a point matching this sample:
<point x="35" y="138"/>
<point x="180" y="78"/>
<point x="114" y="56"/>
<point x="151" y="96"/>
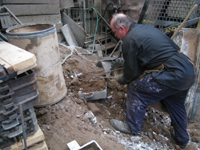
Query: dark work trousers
<point x="144" y="91"/>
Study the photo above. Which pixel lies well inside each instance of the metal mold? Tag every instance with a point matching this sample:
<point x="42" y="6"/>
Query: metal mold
<point x="18" y="95"/>
<point x="92" y="145"/>
<point x="21" y="89"/>
<point x="12" y="127"/>
<point x="94" y="95"/>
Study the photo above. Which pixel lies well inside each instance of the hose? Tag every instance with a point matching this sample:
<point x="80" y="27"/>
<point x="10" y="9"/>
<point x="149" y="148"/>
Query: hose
<point x="66" y="56"/>
<point x="107" y="7"/>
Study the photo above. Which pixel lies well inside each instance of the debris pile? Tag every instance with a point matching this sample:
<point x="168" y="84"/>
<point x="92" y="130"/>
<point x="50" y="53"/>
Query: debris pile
<point x="77" y="119"/>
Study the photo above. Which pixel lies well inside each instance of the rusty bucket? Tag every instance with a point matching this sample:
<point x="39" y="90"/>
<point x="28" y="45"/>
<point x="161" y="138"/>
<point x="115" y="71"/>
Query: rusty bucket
<point x="188" y="39"/>
<point x="41" y="40"/>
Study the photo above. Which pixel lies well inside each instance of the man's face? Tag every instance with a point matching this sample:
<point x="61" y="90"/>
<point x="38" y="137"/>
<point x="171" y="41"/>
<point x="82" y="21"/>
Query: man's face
<point x="118" y="33"/>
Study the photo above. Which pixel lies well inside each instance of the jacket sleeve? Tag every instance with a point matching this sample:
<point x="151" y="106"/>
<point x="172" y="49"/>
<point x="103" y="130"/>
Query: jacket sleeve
<point x="132" y="68"/>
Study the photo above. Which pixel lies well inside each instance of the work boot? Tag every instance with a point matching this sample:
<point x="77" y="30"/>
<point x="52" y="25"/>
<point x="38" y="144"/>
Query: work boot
<point x="181" y="146"/>
<point x="121" y="126"/>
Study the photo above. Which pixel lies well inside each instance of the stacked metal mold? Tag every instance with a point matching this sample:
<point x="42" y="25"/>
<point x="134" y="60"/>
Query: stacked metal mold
<point x="18" y="95"/>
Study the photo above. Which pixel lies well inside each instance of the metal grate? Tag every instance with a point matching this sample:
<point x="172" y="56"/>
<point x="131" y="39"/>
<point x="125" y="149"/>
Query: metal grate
<point x="167" y="14"/>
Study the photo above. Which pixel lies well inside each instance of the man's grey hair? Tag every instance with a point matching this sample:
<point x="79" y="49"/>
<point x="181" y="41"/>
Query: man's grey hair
<point x="119" y="20"/>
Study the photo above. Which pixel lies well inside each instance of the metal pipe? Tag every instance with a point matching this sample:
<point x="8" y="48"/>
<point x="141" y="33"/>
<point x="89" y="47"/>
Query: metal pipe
<point x="120" y="42"/>
<point x="103" y="18"/>
<point x="23" y="127"/>
<point x="13" y="15"/>
<point x="187" y="17"/>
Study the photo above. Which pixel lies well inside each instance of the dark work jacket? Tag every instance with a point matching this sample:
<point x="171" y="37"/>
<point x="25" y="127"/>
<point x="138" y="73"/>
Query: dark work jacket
<point x="145" y="48"/>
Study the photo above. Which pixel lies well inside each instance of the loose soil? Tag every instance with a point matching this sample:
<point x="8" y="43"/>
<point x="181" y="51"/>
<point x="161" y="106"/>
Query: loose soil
<point x="74" y="118"/>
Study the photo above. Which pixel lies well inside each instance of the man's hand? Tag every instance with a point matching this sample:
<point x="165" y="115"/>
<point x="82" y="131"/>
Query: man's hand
<point x="119" y="79"/>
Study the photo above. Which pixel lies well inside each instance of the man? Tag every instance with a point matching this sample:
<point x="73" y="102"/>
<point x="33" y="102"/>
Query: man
<point x="154" y="70"/>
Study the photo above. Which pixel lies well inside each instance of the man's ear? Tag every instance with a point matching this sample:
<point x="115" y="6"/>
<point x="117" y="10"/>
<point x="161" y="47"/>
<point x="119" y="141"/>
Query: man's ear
<point x="121" y="27"/>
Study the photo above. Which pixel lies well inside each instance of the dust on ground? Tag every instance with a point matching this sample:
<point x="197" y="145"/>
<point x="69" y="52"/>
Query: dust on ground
<point x="77" y="119"/>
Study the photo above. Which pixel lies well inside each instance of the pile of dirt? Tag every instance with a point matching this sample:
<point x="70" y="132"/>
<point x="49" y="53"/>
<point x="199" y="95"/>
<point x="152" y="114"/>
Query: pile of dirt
<point x="74" y="118"/>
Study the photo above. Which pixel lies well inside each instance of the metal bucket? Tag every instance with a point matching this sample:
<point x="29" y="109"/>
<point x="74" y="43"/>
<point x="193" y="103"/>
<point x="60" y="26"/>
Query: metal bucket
<point x="41" y="40"/>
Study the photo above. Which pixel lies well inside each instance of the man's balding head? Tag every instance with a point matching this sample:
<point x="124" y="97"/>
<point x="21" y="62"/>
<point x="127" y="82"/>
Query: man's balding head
<point x="120" y="25"/>
<point x="121" y="19"/>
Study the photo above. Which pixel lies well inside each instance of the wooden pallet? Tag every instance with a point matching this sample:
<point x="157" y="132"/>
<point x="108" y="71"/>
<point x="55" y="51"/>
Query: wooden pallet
<point x="34" y="142"/>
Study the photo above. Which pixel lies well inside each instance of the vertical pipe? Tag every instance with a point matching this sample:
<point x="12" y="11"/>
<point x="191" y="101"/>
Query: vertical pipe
<point x="85" y="19"/>
<point x="106" y="41"/>
<point x="23" y="127"/>
<point x="92" y="20"/>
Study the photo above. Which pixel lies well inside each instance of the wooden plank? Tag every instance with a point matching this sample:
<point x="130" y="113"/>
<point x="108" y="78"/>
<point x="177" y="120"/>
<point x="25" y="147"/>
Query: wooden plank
<point x="31" y="140"/>
<point x="98" y="37"/>
<point x="7" y="66"/>
<point x="30" y="1"/>
<point x="66" y="4"/>
<point x="39" y="146"/>
<point x="38" y="18"/>
<point x="20" y="60"/>
<point x="31" y="9"/>
<point x="108" y="46"/>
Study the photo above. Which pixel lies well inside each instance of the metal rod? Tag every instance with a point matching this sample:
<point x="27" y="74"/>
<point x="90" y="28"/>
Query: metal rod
<point x="115" y="48"/>
<point x="103" y="18"/>
<point x="176" y="32"/>
<point x="13" y="15"/>
<point x="106" y="42"/>
<point x="23" y="128"/>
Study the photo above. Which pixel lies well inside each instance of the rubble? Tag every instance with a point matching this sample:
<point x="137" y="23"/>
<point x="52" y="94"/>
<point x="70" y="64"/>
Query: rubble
<point x="77" y="119"/>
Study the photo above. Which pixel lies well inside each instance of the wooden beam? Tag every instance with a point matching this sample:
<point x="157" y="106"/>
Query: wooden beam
<point x="34" y="9"/>
<point x="38" y="18"/>
<point x="30" y="1"/>
<point x="15" y="58"/>
<point x="31" y="140"/>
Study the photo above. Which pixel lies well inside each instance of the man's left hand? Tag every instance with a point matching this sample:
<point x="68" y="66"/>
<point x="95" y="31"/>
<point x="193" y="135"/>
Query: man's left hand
<point x="119" y="79"/>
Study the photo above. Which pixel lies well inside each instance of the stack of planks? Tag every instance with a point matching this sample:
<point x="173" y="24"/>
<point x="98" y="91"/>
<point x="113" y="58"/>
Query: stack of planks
<point x="15" y="59"/>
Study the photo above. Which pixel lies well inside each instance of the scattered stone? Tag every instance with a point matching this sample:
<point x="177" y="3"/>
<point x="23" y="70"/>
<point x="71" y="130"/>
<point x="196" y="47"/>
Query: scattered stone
<point x="145" y="139"/>
<point x="170" y="144"/>
<point x="137" y="141"/>
<point x="93" y="108"/>
<point x="157" y="137"/>
<point x="112" y="84"/>
<point x="75" y="81"/>
<point x="177" y="147"/>
<point x="191" y="146"/>
<point x="196" y="139"/>
<point x="119" y="87"/>
<point x="166" y="132"/>
<point x="91" y="118"/>
<point x="107" y="130"/>
<point x="78" y="101"/>
<point x="41" y="112"/>
<point x="48" y="127"/>
<point x="85" y="119"/>
<point x="154" y="128"/>
<point x="150" y="135"/>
